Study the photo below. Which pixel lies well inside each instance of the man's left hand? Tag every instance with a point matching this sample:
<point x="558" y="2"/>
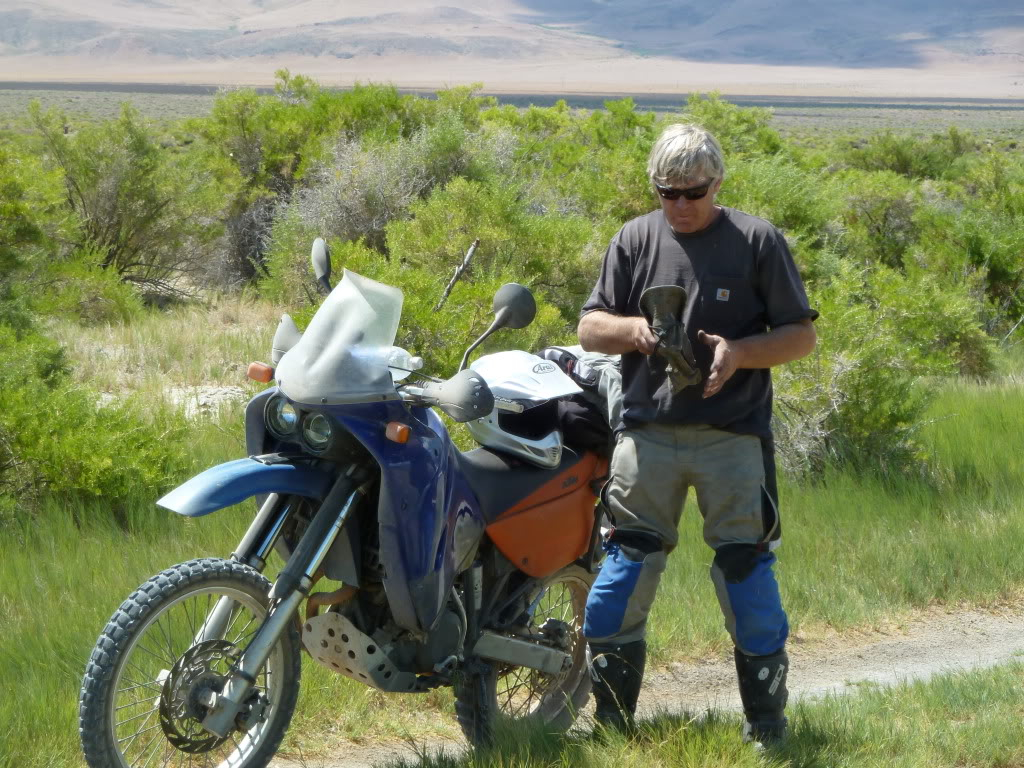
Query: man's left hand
<point x="724" y="364"/>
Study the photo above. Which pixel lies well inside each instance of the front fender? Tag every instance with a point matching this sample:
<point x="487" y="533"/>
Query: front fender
<point x="235" y="481"/>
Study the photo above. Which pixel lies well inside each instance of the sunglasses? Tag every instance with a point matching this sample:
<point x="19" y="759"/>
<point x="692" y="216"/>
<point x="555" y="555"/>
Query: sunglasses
<point x="690" y="193"/>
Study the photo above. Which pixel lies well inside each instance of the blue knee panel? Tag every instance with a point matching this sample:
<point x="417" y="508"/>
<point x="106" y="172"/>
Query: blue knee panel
<point x="761" y="625"/>
<point x="606" y="605"/>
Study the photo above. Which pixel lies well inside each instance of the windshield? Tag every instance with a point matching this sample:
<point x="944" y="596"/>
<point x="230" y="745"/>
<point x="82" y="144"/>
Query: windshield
<point x="343" y="355"/>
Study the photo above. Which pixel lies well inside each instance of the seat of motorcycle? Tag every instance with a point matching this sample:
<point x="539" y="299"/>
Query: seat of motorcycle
<point x="501" y="481"/>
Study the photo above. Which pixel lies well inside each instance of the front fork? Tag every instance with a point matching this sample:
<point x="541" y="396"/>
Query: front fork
<point x="253" y="550"/>
<point x="287" y="594"/>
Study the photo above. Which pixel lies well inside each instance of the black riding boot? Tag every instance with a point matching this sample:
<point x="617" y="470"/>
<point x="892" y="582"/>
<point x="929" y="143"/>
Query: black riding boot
<point x="617" y="671"/>
<point x="763" y="691"/>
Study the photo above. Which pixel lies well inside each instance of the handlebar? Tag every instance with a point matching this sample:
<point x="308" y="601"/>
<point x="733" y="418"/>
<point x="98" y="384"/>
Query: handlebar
<point x="464" y="397"/>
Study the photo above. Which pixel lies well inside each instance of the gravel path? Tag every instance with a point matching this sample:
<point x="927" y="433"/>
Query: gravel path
<point x="934" y="642"/>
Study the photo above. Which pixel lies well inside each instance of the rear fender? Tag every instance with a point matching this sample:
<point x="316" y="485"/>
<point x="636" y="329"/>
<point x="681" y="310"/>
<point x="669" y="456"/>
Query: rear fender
<point x="228" y="484"/>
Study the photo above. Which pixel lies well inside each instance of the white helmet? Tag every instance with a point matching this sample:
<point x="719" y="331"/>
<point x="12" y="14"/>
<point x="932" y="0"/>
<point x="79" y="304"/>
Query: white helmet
<point x="524" y="422"/>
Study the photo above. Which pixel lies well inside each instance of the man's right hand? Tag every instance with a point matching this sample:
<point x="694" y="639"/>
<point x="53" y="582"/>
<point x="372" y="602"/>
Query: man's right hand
<point x="601" y="331"/>
<point x="644" y="339"/>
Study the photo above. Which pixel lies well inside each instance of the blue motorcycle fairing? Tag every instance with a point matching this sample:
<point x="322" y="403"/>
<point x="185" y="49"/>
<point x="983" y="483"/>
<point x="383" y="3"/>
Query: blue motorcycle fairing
<point x="424" y="501"/>
<point x="235" y="481"/>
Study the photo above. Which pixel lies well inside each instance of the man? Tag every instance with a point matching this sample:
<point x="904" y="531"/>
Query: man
<point x="744" y="310"/>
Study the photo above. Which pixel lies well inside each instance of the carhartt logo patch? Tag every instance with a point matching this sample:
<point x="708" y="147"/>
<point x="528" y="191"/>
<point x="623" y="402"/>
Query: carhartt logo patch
<point x="723" y="294"/>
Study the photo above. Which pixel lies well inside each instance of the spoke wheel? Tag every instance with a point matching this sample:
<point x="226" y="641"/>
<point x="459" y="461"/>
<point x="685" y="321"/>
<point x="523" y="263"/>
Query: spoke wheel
<point x="154" y="667"/>
<point x="503" y="692"/>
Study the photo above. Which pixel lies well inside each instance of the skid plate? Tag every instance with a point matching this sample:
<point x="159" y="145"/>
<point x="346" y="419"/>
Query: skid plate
<point x="335" y="642"/>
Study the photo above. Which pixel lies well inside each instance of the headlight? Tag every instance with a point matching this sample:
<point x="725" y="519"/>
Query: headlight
<point x="282" y="418"/>
<point x="317" y="431"/>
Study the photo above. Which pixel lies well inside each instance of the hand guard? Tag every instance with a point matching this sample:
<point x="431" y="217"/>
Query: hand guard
<point x="662" y="306"/>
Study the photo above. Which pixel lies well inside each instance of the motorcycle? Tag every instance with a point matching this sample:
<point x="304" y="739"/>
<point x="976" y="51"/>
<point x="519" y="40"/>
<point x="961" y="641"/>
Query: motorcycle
<point x="409" y="564"/>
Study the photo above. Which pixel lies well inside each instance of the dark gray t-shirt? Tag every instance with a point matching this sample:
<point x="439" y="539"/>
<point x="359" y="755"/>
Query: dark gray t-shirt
<point x="740" y="280"/>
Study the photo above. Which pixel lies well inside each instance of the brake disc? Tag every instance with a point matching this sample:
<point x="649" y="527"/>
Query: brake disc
<point x="181" y="709"/>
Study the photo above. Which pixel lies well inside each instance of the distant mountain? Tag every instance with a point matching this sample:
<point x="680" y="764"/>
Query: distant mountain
<point x="870" y="33"/>
<point x="247" y="28"/>
<point x="934" y="47"/>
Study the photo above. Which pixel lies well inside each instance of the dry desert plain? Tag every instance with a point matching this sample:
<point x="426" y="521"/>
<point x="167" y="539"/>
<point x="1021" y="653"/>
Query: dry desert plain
<point x="594" y="72"/>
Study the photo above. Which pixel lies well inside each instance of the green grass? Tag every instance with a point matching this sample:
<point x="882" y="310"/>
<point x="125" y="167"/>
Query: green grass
<point x="194" y="344"/>
<point x="957" y="720"/>
<point x="61" y="582"/>
<point x="977" y="437"/>
<point x="857" y="553"/>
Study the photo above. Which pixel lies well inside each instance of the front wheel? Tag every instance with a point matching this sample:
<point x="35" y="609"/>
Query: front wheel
<point x="496" y="692"/>
<point x="159" y="658"/>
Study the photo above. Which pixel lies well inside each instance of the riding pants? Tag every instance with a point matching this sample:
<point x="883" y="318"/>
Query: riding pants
<point x="733" y="476"/>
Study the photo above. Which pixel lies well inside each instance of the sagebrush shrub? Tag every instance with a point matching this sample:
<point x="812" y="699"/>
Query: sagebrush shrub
<point x="910" y="156"/>
<point x="739" y="130"/>
<point x="79" y="288"/>
<point x="546" y="250"/>
<point x="56" y="439"/>
<point x="859" y="399"/>
<point x="878" y="214"/>
<point x="366" y="184"/>
<point x="978" y="249"/>
<point x="141" y="209"/>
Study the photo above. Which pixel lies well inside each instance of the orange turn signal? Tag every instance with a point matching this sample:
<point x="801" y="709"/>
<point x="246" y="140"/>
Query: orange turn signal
<point x="260" y="372"/>
<point x="397" y="432"/>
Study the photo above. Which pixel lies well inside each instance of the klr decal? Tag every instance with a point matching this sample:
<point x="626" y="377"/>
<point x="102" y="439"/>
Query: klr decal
<point x="723" y="294"/>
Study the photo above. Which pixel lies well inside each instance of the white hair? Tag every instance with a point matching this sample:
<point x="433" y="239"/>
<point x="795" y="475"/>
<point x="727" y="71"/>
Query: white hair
<point x="683" y="153"/>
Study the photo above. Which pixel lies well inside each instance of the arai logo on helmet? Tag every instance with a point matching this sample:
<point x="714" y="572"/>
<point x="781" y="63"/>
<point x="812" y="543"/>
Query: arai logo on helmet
<point x="543" y="368"/>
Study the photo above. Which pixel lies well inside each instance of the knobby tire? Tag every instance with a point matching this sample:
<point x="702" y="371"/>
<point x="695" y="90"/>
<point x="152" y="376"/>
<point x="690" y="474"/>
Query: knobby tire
<point x="126" y="647"/>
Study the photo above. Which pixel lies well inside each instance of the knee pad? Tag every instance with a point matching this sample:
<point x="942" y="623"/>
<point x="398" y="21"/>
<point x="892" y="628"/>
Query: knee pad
<point x="754" y="610"/>
<point x="737" y="561"/>
<point x="623" y="592"/>
<point x="636" y="545"/>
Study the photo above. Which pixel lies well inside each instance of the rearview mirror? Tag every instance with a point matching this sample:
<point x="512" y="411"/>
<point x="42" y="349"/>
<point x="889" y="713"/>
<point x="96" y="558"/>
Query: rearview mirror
<point x="321" y="258"/>
<point x="514" y="306"/>
<point x="286" y="336"/>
